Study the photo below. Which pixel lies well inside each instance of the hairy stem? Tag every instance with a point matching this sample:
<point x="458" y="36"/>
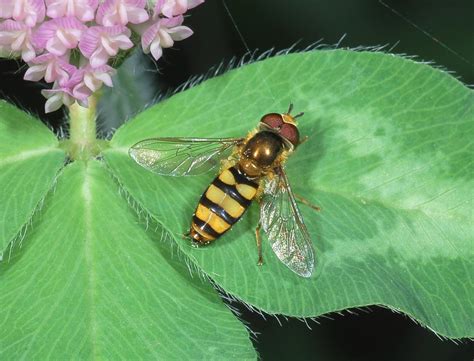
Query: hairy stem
<point x="83" y="143"/>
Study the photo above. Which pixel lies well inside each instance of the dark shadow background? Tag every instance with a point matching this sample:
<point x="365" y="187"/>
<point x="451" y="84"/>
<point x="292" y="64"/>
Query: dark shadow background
<point x="378" y="334"/>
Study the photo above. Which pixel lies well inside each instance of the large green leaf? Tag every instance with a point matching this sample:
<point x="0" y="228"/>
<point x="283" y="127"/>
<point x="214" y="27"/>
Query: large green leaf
<point x="91" y="283"/>
<point x="389" y="160"/>
<point x="29" y="161"/>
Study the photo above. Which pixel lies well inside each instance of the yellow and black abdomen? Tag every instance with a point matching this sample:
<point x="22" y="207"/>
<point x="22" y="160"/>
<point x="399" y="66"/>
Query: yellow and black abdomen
<point x="221" y="205"/>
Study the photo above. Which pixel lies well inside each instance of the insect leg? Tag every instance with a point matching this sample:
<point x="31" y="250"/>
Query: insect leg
<point x="259" y="244"/>
<point x="308" y="203"/>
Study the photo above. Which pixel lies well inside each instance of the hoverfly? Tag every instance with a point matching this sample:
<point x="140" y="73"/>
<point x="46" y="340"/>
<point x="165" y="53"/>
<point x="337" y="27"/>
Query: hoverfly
<point x="251" y="168"/>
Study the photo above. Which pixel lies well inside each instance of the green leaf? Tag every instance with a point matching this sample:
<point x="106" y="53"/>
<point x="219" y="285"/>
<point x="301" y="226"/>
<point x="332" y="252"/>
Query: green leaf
<point x="91" y="283"/>
<point x="389" y="160"/>
<point x="29" y="161"/>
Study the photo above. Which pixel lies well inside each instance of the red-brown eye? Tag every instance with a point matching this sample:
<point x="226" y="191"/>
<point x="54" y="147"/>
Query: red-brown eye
<point x="273" y="120"/>
<point x="290" y="133"/>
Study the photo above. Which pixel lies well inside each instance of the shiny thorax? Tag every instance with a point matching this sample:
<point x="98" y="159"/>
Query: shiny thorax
<point x="253" y="168"/>
<point x="230" y="194"/>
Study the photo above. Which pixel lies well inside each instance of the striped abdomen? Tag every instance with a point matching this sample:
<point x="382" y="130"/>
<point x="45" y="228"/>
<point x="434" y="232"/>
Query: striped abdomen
<point x="221" y="205"/>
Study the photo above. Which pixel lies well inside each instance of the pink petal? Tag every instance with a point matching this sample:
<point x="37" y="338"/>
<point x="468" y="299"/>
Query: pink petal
<point x="194" y="3"/>
<point x="99" y="43"/>
<point x="56" y="46"/>
<point x="6" y="8"/>
<point x="94" y="77"/>
<point x="175" y="7"/>
<point x="53" y="103"/>
<point x="81" y="92"/>
<point x="84" y="10"/>
<point x="105" y="78"/>
<point x="149" y="35"/>
<point x="56" y="8"/>
<point x="59" y="34"/>
<point x="172" y="22"/>
<point x="137" y="16"/>
<point x="156" y="50"/>
<point x="35" y="73"/>
<point x="28" y="53"/>
<point x="123" y="42"/>
<point x="15" y="38"/>
<point x="180" y="33"/>
<point x="166" y="41"/>
<point x="57" y="96"/>
<point x="120" y="12"/>
<point x="29" y="11"/>
<point x="89" y="41"/>
<point x="99" y="57"/>
<point x="10" y="25"/>
<point x="45" y="32"/>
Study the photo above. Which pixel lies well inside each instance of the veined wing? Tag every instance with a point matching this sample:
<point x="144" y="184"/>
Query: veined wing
<point x="182" y="156"/>
<point x="283" y="223"/>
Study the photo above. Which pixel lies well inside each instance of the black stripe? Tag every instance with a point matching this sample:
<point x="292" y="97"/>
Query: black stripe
<point x="206" y="227"/>
<point x="232" y="192"/>
<point x="218" y="210"/>
<point x="242" y="178"/>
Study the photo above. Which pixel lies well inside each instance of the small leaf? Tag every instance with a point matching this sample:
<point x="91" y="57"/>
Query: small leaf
<point x="389" y="160"/>
<point x="91" y="283"/>
<point x="29" y="161"/>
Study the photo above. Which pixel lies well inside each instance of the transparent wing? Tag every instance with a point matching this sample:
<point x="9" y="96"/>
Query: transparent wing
<point x="182" y="156"/>
<point x="283" y="223"/>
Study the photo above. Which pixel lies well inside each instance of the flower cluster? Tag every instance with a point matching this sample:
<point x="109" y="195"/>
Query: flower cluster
<point x="70" y="42"/>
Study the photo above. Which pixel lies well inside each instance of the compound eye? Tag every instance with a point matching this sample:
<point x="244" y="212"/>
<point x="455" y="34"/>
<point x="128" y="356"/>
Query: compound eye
<point x="273" y="120"/>
<point x="290" y="133"/>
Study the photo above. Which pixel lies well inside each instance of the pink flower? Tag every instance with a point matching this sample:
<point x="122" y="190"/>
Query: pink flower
<point x="99" y="43"/>
<point x="57" y="96"/>
<point x="92" y="80"/>
<point x="15" y="38"/>
<point x="162" y="34"/>
<point x="50" y="67"/>
<point x="170" y="8"/>
<point x="84" y="10"/>
<point x="121" y="12"/>
<point x="59" y="35"/>
<point x="86" y="33"/>
<point x="28" y="11"/>
<point x="63" y="93"/>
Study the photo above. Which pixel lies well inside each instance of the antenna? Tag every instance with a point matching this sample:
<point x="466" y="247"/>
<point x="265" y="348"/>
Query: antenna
<point x="234" y="23"/>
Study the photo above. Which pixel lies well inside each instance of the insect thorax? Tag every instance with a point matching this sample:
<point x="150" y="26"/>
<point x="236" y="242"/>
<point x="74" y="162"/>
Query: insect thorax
<point x="260" y="153"/>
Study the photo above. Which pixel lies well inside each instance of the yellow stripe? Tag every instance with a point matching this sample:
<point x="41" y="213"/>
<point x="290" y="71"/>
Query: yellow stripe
<point x="218" y="224"/>
<point x="246" y="191"/>
<point x="203" y="213"/>
<point x="219" y="197"/>
<point x="227" y="177"/>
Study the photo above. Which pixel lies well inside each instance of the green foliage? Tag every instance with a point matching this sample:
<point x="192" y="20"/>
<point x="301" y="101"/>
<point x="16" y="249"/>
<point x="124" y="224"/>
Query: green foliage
<point x="29" y="161"/>
<point x="389" y="160"/>
<point x="92" y="283"/>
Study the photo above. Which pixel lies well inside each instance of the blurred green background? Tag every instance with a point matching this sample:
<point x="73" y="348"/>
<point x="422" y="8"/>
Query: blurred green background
<point x="375" y="334"/>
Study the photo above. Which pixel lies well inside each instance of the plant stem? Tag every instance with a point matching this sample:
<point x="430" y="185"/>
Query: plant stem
<point x="83" y="143"/>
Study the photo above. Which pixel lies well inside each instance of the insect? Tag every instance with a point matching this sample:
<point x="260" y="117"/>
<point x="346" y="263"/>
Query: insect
<point x="252" y="168"/>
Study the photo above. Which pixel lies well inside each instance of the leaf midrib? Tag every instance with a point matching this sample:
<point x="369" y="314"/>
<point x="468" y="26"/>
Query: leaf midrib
<point x="27" y="154"/>
<point x="355" y="198"/>
<point x="89" y="258"/>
